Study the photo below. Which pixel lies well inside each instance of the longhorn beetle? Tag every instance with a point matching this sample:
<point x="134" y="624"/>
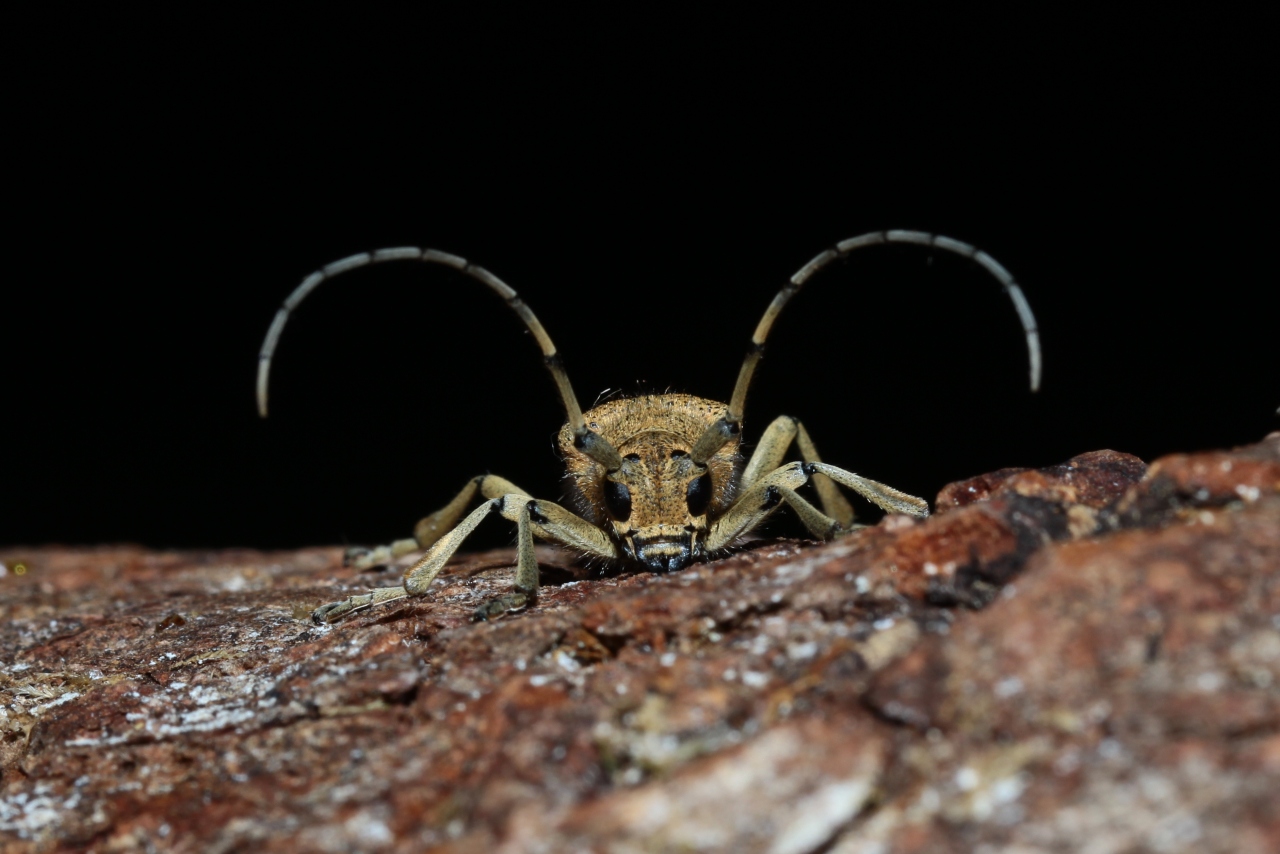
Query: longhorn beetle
<point x="656" y="480"/>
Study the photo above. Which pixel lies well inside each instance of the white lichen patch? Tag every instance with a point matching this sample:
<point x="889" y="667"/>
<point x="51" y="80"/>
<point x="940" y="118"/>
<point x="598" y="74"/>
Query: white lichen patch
<point x="369" y="830"/>
<point x="203" y="695"/>
<point x="567" y="662"/>
<point x="181" y="710"/>
<point x="1248" y="493"/>
<point x="1209" y="681"/>
<point x="65" y="698"/>
<point x="31" y="814"/>
<point x="1008" y="687"/>
<point x="33" y="633"/>
<point x="802" y="651"/>
<point x="798" y="570"/>
<point x="26" y="696"/>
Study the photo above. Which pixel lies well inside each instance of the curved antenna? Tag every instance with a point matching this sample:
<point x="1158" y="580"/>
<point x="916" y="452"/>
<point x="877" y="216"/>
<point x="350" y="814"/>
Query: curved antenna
<point x="729" y="424"/>
<point x="590" y="443"/>
<point x="843" y="248"/>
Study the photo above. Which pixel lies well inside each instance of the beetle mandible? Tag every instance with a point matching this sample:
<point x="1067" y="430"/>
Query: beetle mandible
<point x="656" y="481"/>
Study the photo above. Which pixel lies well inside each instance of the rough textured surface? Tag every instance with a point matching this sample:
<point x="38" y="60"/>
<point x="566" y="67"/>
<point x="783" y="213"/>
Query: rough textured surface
<point x="1074" y="658"/>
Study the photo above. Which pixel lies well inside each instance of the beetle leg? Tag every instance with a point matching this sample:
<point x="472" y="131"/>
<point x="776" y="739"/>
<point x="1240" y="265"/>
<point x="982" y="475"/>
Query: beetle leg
<point x="419" y="576"/>
<point x="525" y="590"/>
<point x="758" y="501"/>
<point x="533" y="517"/>
<point x="756" y="504"/>
<point x="885" y="497"/>
<point x="431" y="528"/>
<point x="548" y="521"/>
<point x="768" y="455"/>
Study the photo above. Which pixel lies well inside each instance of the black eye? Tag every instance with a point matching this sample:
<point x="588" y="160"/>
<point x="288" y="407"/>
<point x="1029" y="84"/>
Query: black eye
<point x="617" y="498"/>
<point x="699" y="495"/>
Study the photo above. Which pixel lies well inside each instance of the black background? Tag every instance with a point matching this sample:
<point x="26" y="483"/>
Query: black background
<point x="646" y="184"/>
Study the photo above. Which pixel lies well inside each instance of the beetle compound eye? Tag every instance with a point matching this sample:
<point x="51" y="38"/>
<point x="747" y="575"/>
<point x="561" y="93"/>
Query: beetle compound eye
<point x="617" y="498"/>
<point x="699" y="495"/>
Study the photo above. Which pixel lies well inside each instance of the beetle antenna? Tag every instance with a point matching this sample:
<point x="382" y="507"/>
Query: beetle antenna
<point x="590" y="443"/>
<point x="729" y="424"/>
<point x="842" y="249"/>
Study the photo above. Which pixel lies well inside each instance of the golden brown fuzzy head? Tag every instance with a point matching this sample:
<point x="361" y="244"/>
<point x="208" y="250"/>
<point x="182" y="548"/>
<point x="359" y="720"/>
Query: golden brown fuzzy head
<point x="658" y="504"/>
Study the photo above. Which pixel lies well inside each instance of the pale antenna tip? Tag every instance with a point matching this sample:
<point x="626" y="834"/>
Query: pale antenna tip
<point x="263" y="368"/>
<point x="1033" y="352"/>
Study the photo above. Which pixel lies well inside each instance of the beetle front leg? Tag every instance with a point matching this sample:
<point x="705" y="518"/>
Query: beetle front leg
<point x="525" y="591"/>
<point x="549" y="521"/>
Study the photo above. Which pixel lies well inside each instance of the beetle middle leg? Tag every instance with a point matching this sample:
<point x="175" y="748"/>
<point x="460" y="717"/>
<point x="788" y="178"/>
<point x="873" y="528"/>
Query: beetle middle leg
<point x="773" y="446"/>
<point x="431" y="528"/>
<point x="764" y="493"/>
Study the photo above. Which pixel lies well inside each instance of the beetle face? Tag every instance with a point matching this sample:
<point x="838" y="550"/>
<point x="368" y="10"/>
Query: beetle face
<point x="658" y="504"/>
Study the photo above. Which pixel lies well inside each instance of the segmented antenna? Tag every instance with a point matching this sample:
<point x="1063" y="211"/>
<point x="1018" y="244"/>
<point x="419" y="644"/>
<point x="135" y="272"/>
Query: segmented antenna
<point x="843" y="248"/>
<point x="591" y="443"/>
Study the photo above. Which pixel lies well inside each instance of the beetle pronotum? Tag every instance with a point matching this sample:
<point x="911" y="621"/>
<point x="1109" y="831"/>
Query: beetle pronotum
<point x="656" y="480"/>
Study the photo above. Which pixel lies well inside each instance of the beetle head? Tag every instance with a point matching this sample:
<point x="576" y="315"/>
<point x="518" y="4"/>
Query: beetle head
<point x="658" y="504"/>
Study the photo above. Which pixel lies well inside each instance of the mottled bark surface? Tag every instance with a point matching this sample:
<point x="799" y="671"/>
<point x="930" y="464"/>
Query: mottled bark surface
<point x="1083" y="657"/>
